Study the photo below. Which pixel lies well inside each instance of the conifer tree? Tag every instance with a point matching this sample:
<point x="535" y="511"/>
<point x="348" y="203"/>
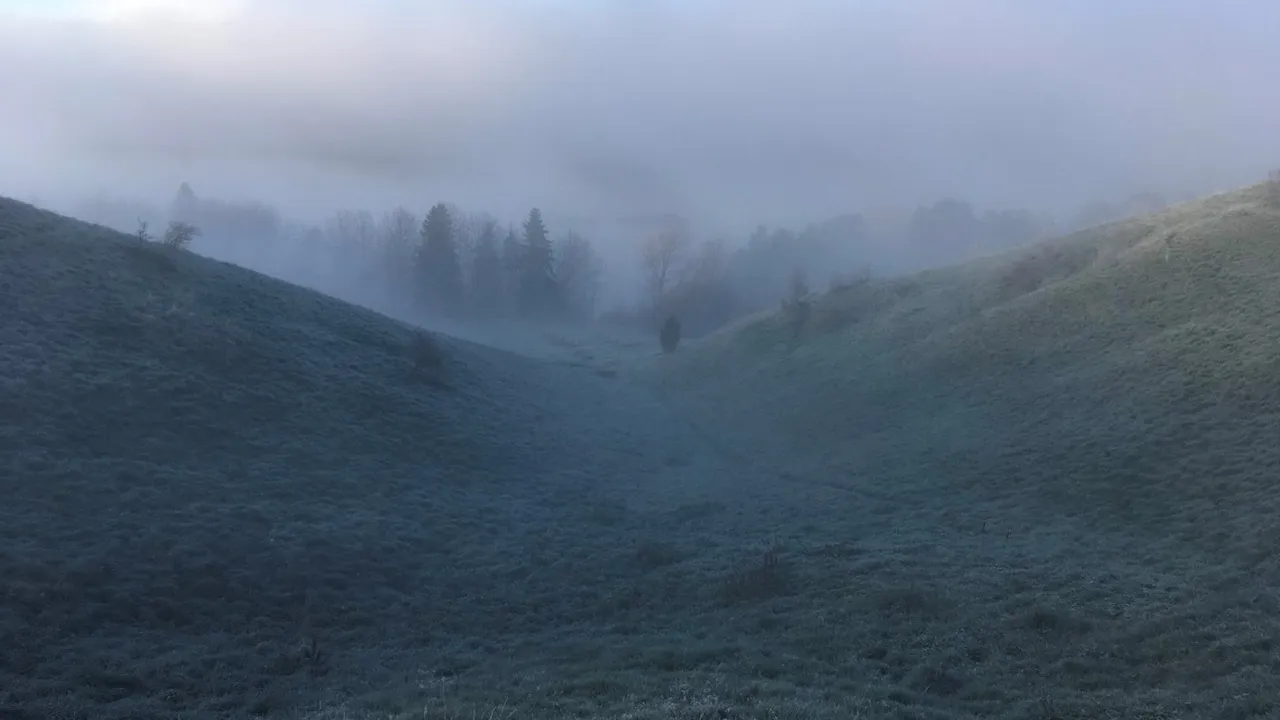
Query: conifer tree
<point x="537" y="281"/>
<point x="440" y="269"/>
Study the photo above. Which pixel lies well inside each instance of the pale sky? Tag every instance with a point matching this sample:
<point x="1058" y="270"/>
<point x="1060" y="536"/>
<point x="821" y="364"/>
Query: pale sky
<point x="736" y="110"/>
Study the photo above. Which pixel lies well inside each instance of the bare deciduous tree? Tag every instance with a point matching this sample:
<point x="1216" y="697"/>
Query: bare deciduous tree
<point x="398" y="238"/>
<point x="579" y="271"/>
<point x="398" y="233"/>
<point x="468" y="227"/>
<point x="352" y="229"/>
<point x="661" y="255"/>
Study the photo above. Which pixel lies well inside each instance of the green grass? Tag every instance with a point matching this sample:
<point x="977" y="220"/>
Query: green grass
<point x="1080" y="434"/>
<point x="1036" y="486"/>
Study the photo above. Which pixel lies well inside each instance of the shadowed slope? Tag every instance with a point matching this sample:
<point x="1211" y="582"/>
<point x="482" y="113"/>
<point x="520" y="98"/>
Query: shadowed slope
<point x="225" y="495"/>
<point x="191" y="450"/>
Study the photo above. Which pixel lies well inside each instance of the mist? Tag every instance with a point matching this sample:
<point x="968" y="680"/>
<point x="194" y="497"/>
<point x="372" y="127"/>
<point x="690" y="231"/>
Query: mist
<point x="670" y="425"/>
<point x="730" y="113"/>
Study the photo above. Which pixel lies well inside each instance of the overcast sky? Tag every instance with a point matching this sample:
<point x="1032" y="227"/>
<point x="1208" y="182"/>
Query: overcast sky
<point x="726" y="109"/>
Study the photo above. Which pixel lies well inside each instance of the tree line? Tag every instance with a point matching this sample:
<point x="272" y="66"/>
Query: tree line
<point x="446" y="263"/>
<point x="452" y="263"/>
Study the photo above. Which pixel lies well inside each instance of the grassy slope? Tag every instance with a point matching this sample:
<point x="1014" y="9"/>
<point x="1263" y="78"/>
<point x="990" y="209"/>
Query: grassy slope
<point x="1086" y="429"/>
<point x="987" y="501"/>
<point x="208" y="476"/>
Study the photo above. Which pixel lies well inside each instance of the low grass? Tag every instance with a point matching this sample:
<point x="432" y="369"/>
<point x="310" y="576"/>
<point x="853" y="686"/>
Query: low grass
<point x="226" y="496"/>
<point x="1036" y="486"/>
<point x="1079" y="435"/>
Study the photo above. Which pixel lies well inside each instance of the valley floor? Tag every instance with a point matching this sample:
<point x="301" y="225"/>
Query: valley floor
<point x="677" y="564"/>
<point x="796" y="590"/>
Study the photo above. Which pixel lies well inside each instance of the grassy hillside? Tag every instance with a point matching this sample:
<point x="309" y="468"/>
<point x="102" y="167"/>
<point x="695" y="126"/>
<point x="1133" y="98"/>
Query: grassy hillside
<point x="1105" y="406"/>
<point x="226" y="496"/>
<point x="1037" y="486"/>
<point x="1131" y="349"/>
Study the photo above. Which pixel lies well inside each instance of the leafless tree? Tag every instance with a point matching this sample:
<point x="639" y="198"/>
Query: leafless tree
<point x="661" y="255"/>
<point x="351" y="237"/>
<point x="398" y="233"/>
<point x="467" y="229"/>
<point x="352" y="229"/>
<point x="579" y="271"/>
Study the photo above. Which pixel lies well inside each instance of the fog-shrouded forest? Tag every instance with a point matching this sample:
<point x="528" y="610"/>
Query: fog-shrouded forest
<point x="885" y="138"/>
<point x="705" y="360"/>
<point x="449" y="262"/>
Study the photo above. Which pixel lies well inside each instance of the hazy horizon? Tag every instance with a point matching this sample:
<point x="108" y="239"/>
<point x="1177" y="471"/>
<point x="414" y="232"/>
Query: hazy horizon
<point x="737" y="112"/>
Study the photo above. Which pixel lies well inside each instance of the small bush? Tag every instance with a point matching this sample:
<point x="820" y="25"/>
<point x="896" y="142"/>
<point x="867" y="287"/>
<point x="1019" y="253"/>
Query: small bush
<point x="426" y="352"/>
<point x="669" y="336"/>
<point x="762" y="579"/>
<point x="179" y="234"/>
<point x="147" y="256"/>
<point x="428" y="358"/>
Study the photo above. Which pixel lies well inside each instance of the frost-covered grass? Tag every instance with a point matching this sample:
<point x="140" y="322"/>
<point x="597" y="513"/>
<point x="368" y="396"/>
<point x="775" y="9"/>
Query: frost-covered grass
<point x="224" y="495"/>
<point x="1077" y="442"/>
<point x="1030" y="487"/>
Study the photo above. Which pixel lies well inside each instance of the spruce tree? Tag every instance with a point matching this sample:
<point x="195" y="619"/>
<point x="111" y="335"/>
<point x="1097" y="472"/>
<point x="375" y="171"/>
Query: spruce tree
<point x="537" y="282"/>
<point x="441" y="271"/>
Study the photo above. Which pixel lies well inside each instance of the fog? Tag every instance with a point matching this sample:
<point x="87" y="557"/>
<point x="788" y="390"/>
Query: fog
<point x="730" y="112"/>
